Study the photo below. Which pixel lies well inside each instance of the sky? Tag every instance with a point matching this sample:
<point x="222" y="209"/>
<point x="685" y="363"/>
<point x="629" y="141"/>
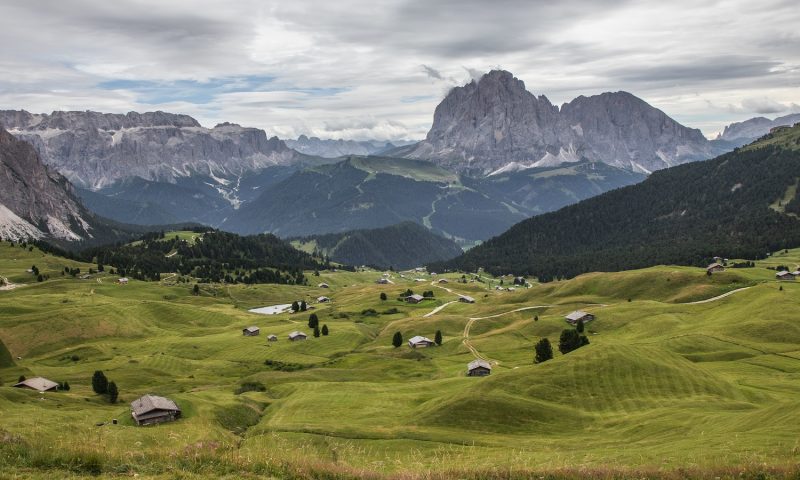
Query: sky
<point x="376" y="70"/>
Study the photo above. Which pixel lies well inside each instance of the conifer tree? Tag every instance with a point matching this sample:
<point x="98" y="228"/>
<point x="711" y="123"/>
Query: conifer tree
<point x="438" y="337"/>
<point x="113" y="392"/>
<point x="397" y="340"/>
<point x="324" y="330"/>
<point x="544" y="351"/>
<point x="99" y="382"/>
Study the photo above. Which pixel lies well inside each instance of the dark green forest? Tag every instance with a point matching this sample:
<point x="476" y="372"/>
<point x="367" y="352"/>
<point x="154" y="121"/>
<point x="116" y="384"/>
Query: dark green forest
<point x="214" y="257"/>
<point x="683" y="215"/>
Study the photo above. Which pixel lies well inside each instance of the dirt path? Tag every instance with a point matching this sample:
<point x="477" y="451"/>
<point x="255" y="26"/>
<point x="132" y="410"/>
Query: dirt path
<point x="718" y="297"/>
<point x="438" y="309"/>
<point x="472" y="320"/>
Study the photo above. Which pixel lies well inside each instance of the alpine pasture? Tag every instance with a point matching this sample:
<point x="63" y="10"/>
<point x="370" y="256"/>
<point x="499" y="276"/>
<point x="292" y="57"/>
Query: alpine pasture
<point x="676" y="378"/>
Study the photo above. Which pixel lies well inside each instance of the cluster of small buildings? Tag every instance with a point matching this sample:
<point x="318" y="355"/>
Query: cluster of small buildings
<point x="786" y="275"/>
<point x="255" y="331"/>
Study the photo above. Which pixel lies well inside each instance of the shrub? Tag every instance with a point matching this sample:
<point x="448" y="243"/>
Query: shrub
<point x="383" y="296"/>
<point x="250" y="387"/>
<point x="544" y="351"/>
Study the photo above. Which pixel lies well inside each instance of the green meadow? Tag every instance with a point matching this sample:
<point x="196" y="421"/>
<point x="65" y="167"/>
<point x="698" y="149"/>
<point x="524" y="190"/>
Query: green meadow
<point x="678" y="381"/>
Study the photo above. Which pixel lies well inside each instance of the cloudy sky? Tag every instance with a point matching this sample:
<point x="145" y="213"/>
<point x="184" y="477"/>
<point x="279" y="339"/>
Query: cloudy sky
<point x="367" y="69"/>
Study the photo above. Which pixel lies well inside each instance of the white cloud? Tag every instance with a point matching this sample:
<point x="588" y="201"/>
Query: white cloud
<point x="349" y="68"/>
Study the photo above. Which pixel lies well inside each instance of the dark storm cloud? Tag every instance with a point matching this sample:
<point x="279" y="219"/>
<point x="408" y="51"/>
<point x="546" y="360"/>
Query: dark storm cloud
<point x="717" y="68"/>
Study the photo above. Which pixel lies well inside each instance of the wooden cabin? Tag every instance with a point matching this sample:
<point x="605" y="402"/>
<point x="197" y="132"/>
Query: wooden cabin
<point x="323" y="299"/>
<point x="478" y="368"/>
<point x="151" y="409"/>
<point x="784" y="276"/>
<point x="466" y="299"/>
<point x="272" y="338"/>
<point x="420" y="342"/>
<point x="416" y="298"/>
<point x="715" y="267"/>
<point x="122" y="281"/>
<point x="578" y="315"/>
<point x="39" y="384"/>
<point x="323" y="285"/>
<point x="296" y="336"/>
<point x="250" y="331"/>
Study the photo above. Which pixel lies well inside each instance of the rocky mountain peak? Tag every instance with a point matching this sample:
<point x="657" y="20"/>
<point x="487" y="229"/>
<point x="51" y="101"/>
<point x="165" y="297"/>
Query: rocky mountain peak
<point x="495" y="123"/>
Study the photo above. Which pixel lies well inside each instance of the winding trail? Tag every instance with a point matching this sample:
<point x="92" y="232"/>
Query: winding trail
<point x="472" y="320"/>
<point x="718" y="297"/>
<point x="438" y="309"/>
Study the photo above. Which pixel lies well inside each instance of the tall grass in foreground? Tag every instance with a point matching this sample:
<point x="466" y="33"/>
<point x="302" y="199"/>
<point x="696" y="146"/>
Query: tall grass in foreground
<point x="22" y="459"/>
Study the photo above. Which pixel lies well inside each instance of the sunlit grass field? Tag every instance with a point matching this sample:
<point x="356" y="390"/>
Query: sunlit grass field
<point x="666" y="385"/>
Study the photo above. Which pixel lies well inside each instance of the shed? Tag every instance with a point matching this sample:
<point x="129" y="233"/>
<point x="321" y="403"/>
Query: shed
<point x="122" y="281"/>
<point x="39" y="384"/>
<point x="416" y="298"/>
<point x="272" y="338"/>
<point x="382" y="281"/>
<point x="715" y="267"/>
<point x="478" y="368"/>
<point x="420" y="342"/>
<point x="251" y="331"/>
<point x="443" y="280"/>
<point x="323" y="285"/>
<point x="577" y="315"/>
<point x="323" y="299"/>
<point x="466" y="299"/>
<point x="294" y="336"/>
<point x="151" y="409"/>
<point x="784" y="275"/>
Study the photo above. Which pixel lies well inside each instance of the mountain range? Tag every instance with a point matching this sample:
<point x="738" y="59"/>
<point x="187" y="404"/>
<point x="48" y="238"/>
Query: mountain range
<point x="742" y="204"/>
<point x="330" y="148"/>
<point x="494" y="124"/>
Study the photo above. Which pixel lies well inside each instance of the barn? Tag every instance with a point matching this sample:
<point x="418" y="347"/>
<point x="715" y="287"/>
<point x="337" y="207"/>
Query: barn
<point x="478" y="368"/>
<point x="578" y="315"/>
<point x="420" y="342"/>
<point x="151" y="409"/>
<point x="250" y="331"/>
<point x="39" y="384"/>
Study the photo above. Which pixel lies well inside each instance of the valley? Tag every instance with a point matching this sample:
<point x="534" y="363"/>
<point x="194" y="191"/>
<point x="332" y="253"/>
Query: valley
<point x="695" y="371"/>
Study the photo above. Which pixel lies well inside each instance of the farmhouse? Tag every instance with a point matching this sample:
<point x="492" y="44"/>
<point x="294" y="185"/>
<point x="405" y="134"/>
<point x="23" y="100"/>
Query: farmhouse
<point x="416" y="298"/>
<point x="295" y="336"/>
<point x="323" y="299"/>
<point x="443" y="280"/>
<point x="577" y="315"/>
<point x="466" y="299"/>
<point x="784" y="275"/>
<point x="151" y="409"/>
<point x="519" y="280"/>
<point x="272" y="338"/>
<point x="715" y="267"/>
<point x="250" y="331"/>
<point x="478" y="368"/>
<point x="38" y="383"/>
<point x="122" y="281"/>
<point x="382" y="281"/>
<point x="323" y="285"/>
<point x="420" y="342"/>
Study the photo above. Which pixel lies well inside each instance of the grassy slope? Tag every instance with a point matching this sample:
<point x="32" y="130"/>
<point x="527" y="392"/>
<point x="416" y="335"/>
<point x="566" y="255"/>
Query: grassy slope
<point x="664" y="383"/>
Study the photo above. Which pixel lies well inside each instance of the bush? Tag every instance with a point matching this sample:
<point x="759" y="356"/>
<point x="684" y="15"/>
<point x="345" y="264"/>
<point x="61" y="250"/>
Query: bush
<point x="391" y="311"/>
<point x="571" y="340"/>
<point x="324" y="330"/>
<point x="370" y="312"/>
<point x="250" y="387"/>
<point x="383" y="296"/>
<point x="544" y="351"/>
<point x="397" y="339"/>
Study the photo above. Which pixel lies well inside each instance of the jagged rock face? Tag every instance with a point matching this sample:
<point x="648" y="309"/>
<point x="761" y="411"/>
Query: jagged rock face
<point x="337" y="148"/>
<point x="94" y="149"/>
<point x="756" y="127"/>
<point x="495" y="123"/>
<point x="36" y="201"/>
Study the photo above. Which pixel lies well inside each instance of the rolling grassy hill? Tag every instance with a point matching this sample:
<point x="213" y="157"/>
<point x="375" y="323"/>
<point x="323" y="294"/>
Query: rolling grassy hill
<point x="401" y="246"/>
<point x="741" y="204"/>
<point x="667" y="385"/>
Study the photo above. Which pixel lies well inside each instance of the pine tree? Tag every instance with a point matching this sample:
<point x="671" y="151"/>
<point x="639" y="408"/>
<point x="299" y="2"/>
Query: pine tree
<point x="66" y="386"/>
<point x="324" y="330"/>
<point x="579" y="326"/>
<point x="316" y="332"/>
<point x="303" y="306"/>
<point x="544" y="351"/>
<point x="113" y="392"/>
<point x="21" y="379"/>
<point x="99" y="382"/>
<point x="196" y="290"/>
<point x="383" y="296"/>
<point x="570" y="340"/>
<point x="313" y="321"/>
<point x="397" y="340"/>
<point x="438" y="337"/>
<point x="295" y="306"/>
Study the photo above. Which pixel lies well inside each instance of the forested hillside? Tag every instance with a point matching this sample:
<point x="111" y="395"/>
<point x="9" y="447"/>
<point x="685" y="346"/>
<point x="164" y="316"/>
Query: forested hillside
<point x="732" y="206"/>
<point x="211" y="257"/>
<point x="400" y="246"/>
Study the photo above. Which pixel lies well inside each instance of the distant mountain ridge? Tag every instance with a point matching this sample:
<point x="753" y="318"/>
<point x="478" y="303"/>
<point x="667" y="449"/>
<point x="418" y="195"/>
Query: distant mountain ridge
<point x="753" y="128"/>
<point x="494" y="122"/>
<point x="374" y="192"/>
<point x="400" y="246"/>
<point x="330" y="148"/>
<point x="94" y="150"/>
<point x="742" y="204"/>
